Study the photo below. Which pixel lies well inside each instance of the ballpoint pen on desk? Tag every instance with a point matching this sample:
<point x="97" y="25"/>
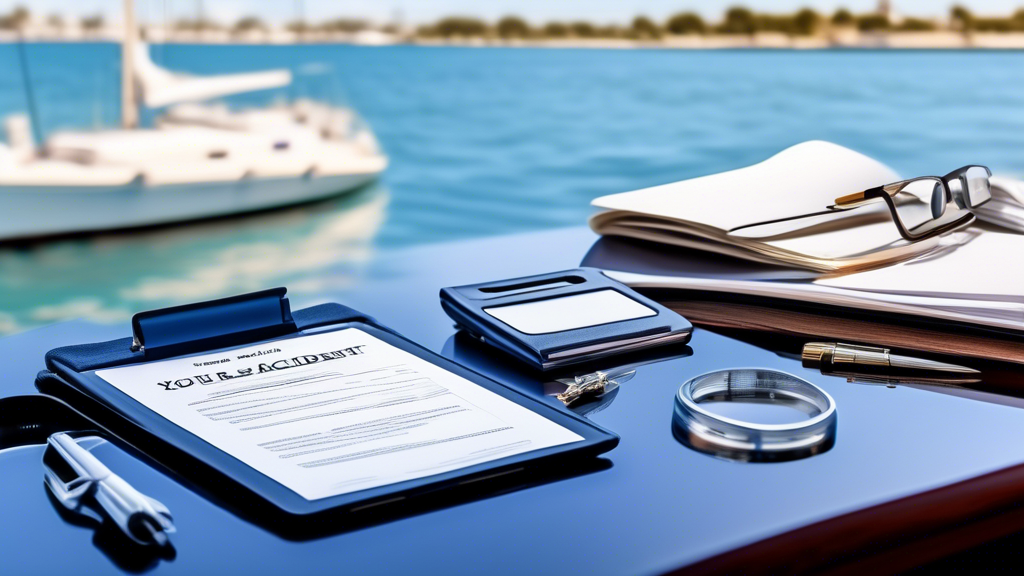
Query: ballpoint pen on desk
<point x="872" y="362"/>
<point x="993" y="386"/>
<point x="72" y="473"/>
<point x="77" y="479"/>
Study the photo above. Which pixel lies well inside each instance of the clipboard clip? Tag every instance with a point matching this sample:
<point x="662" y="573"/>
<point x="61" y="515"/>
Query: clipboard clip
<point x="221" y="323"/>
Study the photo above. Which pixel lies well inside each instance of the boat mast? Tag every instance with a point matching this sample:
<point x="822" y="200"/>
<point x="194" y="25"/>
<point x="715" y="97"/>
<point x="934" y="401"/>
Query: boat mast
<point x="30" y="94"/>
<point x="129" y="108"/>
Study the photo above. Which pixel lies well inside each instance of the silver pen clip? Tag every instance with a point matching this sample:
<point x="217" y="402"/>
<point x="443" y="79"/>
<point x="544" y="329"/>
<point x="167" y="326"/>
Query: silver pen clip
<point x="80" y="482"/>
<point x="592" y="385"/>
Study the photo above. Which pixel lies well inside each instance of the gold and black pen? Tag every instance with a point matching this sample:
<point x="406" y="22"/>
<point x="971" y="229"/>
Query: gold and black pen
<point x="833" y="357"/>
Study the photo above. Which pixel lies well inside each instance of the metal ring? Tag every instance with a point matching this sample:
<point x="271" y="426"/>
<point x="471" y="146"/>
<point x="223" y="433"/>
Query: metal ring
<point x="748" y="441"/>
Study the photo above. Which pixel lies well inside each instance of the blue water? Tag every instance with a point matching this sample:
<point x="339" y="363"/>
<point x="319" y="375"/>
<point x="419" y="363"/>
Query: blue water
<point x="494" y="141"/>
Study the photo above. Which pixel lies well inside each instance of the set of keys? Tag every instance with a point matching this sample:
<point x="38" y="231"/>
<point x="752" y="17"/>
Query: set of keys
<point x="592" y="386"/>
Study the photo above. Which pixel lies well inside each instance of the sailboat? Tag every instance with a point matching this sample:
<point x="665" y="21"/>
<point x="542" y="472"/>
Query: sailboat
<point x="200" y="159"/>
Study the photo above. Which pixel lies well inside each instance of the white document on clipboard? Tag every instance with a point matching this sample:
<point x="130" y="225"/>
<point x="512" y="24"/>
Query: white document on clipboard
<point x="336" y="412"/>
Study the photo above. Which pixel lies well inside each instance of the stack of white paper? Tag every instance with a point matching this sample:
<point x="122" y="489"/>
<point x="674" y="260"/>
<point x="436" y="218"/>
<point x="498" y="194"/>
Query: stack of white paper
<point x="1006" y="208"/>
<point x="718" y="213"/>
<point x="970" y="277"/>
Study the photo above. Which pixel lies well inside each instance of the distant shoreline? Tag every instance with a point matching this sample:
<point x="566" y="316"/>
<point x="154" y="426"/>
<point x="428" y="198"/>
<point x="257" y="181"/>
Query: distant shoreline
<point x="769" y="41"/>
<point x="772" y="41"/>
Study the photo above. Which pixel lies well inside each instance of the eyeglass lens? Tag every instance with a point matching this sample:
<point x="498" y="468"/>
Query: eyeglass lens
<point x="978" y="188"/>
<point x="924" y="204"/>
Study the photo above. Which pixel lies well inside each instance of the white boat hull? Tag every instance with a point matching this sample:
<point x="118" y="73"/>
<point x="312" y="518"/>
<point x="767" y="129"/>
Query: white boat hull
<point x="37" y="211"/>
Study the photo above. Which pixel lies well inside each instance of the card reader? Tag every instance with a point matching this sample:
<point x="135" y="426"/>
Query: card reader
<point x="563" y="318"/>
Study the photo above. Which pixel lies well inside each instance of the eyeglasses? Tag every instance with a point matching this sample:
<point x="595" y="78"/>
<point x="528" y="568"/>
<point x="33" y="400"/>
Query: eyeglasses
<point x="929" y="205"/>
<point x="921" y="207"/>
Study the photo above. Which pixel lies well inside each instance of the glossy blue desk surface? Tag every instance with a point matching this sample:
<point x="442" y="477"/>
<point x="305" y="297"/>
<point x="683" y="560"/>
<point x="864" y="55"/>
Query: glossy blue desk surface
<point x="659" y="506"/>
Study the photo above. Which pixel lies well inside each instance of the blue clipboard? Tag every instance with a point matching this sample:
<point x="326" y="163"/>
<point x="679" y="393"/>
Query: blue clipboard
<point x="264" y="317"/>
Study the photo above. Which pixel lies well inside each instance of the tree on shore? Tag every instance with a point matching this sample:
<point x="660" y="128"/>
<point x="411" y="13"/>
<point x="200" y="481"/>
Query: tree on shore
<point x="917" y="25"/>
<point x="738" y="20"/>
<point x="92" y="23"/>
<point x="346" y="25"/>
<point x="460" y="27"/>
<point x="806" y="22"/>
<point x="197" y="25"/>
<point x="555" y="30"/>
<point x="512" y="27"/>
<point x="611" y="31"/>
<point x="16" y="20"/>
<point x="994" y="25"/>
<point x="961" y="18"/>
<point x="873" y="23"/>
<point x="773" y="23"/>
<point x="843" y="17"/>
<point x="645" y="29"/>
<point x="686" y="23"/>
<point x="249" y="24"/>
<point x="583" y="29"/>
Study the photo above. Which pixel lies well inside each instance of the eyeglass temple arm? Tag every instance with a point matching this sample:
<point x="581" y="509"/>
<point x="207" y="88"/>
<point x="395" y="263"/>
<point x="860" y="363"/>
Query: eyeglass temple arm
<point x="842" y="203"/>
<point x="860" y="198"/>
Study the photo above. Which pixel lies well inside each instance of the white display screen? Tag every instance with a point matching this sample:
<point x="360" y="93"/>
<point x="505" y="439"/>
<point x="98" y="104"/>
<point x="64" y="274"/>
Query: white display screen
<point x="570" y="312"/>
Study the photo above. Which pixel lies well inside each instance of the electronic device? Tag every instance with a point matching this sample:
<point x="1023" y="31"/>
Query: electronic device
<point x="563" y="318"/>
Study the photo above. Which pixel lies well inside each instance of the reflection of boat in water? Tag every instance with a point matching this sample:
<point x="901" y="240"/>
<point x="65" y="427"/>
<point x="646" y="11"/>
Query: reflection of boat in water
<point x="199" y="160"/>
<point x="313" y="249"/>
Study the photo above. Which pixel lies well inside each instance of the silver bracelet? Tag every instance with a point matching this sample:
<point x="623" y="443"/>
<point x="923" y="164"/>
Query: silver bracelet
<point x="738" y="440"/>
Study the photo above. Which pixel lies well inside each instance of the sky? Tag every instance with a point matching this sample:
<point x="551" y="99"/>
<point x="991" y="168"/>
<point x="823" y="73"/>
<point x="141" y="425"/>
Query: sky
<point x="422" y="11"/>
